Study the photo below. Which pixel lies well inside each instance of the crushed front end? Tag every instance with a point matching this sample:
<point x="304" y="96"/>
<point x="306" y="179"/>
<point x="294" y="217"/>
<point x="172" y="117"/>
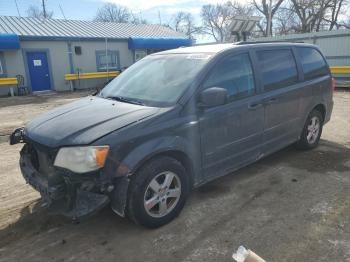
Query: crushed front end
<point x="64" y="192"/>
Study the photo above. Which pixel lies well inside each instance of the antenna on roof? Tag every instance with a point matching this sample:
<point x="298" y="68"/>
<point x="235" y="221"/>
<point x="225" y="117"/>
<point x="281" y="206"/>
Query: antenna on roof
<point x="19" y="14"/>
<point x="62" y="11"/>
<point x="44" y="9"/>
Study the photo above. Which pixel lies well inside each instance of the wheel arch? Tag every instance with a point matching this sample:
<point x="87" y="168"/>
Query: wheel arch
<point x="321" y="108"/>
<point x="179" y="155"/>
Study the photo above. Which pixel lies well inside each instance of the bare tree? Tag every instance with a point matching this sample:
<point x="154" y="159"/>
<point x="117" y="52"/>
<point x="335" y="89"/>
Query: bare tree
<point x="36" y="12"/>
<point x="217" y="18"/>
<point x="263" y="8"/>
<point x="184" y="22"/>
<point x="311" y="13"/>
<point x="335" y="10"/>
<point x="301" y="16"/>
<point x="285" y="21"/>
<point x="345" y="22"/>
<point x="113" y="13"/>
<point x="138" y="20"/>
<point x="118" y="14"/>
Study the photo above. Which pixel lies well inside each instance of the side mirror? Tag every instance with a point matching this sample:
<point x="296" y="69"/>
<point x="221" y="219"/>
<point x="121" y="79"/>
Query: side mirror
<point x="213" y="96"/>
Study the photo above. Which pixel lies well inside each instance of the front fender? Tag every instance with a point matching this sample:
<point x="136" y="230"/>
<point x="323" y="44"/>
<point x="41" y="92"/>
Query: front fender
<point x="139" y="155"/>
<point x="153" y="147"/>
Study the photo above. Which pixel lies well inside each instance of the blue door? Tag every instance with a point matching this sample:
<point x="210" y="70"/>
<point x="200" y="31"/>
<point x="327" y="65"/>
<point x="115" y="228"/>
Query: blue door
<point x="38" y="71"/>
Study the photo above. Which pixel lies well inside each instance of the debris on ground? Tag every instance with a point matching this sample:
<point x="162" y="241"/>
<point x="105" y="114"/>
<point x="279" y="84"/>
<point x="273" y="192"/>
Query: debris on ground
<point x="246" y="255"/>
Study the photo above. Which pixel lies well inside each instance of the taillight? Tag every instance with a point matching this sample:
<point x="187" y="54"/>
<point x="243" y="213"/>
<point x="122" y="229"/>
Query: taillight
<point x="333" y="84"/>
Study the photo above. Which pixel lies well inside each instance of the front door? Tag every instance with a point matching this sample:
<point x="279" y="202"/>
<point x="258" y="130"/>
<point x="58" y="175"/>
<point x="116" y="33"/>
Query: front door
<point x="231" y="134"/>
<point x="39" y="71"/>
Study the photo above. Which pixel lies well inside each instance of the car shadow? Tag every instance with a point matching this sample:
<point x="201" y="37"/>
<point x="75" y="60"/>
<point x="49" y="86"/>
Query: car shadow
<point x="34" y="220"/>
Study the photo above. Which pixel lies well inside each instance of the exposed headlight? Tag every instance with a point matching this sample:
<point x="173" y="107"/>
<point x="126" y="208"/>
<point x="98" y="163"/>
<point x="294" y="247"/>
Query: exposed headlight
<point x="82" y="159"/>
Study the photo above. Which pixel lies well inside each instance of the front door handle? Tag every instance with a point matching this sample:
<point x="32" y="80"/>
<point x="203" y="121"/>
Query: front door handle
<point x="255" y="106"/>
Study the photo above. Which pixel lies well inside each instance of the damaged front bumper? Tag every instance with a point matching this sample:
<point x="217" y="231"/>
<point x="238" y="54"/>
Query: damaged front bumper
<point x="67" y="193"/>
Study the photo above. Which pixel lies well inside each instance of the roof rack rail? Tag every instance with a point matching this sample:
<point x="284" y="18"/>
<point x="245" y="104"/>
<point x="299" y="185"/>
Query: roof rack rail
<point x="265" y="42"/>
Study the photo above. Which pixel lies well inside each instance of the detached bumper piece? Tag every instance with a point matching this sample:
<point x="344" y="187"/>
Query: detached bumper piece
<point x="17" y="136"/>
<point x="60" y="195"/>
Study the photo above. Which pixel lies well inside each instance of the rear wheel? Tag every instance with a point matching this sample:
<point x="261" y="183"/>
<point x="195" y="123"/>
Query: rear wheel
<point x="312" y="131"/>
<point x="158" y="192"/>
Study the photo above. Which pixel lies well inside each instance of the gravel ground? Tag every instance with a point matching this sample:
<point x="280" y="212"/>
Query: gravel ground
<point x="290" y="206"/>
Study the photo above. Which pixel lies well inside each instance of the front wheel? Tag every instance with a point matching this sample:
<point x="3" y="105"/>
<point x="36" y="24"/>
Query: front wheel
<point x="158" y="192"/>
<point x="312" y="131"/>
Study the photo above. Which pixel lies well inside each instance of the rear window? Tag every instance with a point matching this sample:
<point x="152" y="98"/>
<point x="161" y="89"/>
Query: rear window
<point x="278" y="68"/>
<point x="312" y="62"/>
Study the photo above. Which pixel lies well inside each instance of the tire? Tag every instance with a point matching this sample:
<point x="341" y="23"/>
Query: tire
<point x="308" y="141"/>
<point x="164" y="205"/>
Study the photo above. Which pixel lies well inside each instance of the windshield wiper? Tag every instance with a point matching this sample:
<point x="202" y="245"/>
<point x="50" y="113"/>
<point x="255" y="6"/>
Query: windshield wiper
<point x="126" y="100"/>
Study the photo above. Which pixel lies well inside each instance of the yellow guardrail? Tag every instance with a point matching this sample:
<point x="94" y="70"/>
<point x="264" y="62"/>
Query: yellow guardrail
<point x="91" y="75"/>
<point x="8" y="81"/>
<point x="340" y="69"/>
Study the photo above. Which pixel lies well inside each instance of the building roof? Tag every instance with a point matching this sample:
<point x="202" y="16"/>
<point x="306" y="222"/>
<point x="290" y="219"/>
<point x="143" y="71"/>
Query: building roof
<point x="26" y="27"/>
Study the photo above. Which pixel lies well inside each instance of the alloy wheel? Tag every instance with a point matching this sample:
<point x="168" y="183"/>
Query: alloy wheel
<point x="313" y="130"/>
<point x="162" y="194"/>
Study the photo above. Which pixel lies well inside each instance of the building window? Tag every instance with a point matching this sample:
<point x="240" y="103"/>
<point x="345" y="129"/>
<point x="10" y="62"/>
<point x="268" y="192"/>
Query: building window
<point x="77" y="50"/>
<point x="107" y="60"/>
<point x="2" y="65"/>
<point x="139" y="54"/>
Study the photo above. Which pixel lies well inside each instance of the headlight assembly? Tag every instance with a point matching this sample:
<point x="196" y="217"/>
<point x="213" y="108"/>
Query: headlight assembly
<point x="82" y="159"/>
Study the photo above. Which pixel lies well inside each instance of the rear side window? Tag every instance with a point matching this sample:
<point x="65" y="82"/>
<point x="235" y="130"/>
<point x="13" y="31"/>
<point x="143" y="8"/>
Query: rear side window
<point x="278" y="68"/>
<point x="312" y="62"/>
<point x="235" y="74"/>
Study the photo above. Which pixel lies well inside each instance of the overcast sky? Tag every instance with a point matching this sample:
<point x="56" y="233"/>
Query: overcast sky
<point x="86" y="9"/>
<point x="154" y="11"/>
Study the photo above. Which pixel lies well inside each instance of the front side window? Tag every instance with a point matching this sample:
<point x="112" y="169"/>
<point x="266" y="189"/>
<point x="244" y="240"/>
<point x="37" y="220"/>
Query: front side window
<point x="235" y="74"/>
<point x="278" y="68"/>
<point x="157" y="80"/>
<point x="312" y="63"/>
<point x="107" y="60"/>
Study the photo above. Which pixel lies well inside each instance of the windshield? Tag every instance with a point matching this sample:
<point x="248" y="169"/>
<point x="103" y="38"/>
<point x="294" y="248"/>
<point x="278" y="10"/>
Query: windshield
<point x="157" y="80"/>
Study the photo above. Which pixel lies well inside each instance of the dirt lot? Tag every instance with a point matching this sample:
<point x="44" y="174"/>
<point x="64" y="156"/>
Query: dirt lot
<point x="291" y="206"/>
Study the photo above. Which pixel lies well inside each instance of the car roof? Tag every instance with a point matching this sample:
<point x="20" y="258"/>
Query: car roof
<point x="216" y="48"/>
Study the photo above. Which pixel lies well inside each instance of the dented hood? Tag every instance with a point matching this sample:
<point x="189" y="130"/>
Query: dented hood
<point x="84" y="121"/>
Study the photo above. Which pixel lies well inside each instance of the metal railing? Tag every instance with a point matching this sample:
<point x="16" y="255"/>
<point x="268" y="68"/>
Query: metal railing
<point x="9" y="81"/>
<point x="92" y="75"/>
<point x="340" y="69"/>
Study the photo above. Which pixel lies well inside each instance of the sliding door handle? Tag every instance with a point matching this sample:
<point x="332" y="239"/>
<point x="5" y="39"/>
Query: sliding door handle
<point x="271" y="100"/>
<point x="255" y="106"/>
